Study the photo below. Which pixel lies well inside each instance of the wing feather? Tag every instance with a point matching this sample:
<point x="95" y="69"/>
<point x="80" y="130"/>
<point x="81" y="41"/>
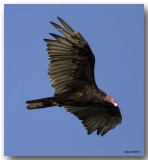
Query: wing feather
<point x="56" y="43"/>
<point x="101" y="118"/>
<point x="63" y="31"/>
<point x="61" y="39"/>
<point x="60" y="48"/>
<point x="66" y="25"/>
<point x="71" y="58"/>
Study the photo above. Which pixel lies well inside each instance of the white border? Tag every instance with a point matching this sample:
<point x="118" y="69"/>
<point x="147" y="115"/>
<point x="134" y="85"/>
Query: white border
<point x="2" y="2"/>
<point x="73" y="1"/>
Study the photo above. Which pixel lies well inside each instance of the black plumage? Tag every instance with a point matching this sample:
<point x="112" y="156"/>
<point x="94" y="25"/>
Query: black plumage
<point x="71" y="70"/>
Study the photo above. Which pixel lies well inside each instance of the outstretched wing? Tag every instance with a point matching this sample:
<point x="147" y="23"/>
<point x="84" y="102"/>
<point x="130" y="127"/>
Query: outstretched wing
<point x="101" y="118"/>
<point x="72" y="61"/>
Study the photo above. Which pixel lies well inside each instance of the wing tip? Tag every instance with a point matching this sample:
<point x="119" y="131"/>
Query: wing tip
<point x="89" y="132"/>
<point x="52" y="34"/>
<point x="102" y="134"/>
<point x="58" y="18"/>
<point x="46" y="40"/>
<point x="52" y="23"/>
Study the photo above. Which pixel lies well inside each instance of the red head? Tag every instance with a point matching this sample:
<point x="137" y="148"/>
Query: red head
<point x="111" y="100"/>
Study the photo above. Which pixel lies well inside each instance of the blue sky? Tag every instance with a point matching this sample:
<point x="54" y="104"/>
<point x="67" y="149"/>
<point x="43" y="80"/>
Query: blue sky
<point x="115" y="34"/>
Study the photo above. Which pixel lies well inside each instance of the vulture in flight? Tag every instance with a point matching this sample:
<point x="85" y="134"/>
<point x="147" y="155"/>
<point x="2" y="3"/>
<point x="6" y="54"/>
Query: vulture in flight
<point x="71" y="71"/>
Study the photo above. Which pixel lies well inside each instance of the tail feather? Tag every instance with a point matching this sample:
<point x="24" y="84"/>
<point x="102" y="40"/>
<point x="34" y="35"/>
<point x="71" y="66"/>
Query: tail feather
<point x="41" y="103"/>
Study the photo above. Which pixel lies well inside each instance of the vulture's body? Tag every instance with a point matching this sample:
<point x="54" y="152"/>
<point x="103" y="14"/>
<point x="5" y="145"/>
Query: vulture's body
<point x="71" y="70"/>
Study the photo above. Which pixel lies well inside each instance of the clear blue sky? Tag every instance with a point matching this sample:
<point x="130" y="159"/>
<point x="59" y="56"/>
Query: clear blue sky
<point x="115" y="34"/>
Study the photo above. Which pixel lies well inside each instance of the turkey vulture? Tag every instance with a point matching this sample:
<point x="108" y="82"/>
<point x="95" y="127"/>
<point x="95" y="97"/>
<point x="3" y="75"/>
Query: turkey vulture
<point x="71" y="70"/>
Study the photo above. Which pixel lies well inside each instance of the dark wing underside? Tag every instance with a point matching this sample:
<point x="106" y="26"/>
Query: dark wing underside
<point x="100" y="118"/>
<point x="72" y="61"/>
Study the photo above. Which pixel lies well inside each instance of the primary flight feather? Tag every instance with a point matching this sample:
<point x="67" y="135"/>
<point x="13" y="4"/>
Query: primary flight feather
<point x="71" y="70"/>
